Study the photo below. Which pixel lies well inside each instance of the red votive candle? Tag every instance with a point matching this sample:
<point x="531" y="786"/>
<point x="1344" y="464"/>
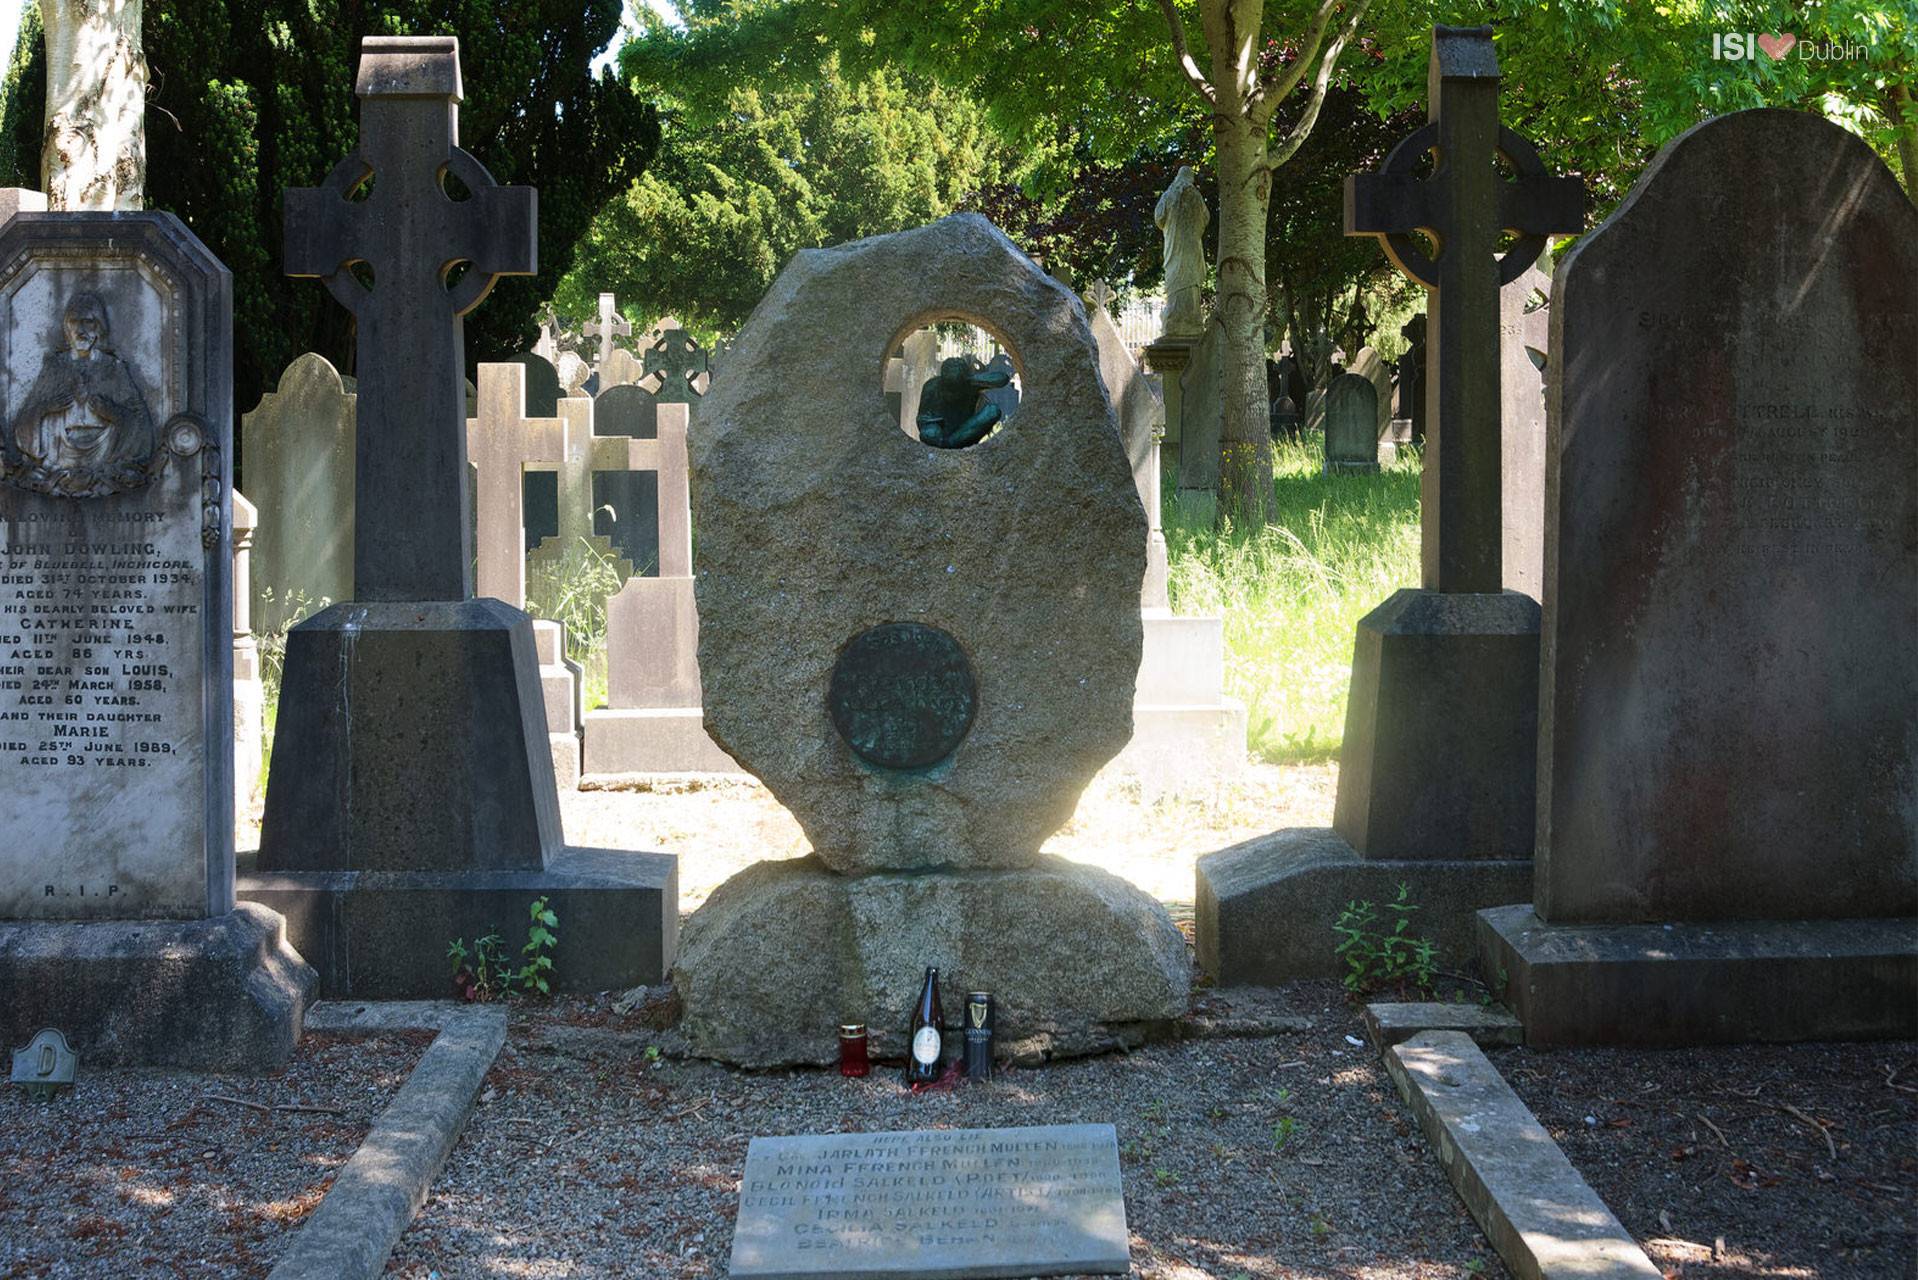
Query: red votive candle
<point x="852" y="1050"/>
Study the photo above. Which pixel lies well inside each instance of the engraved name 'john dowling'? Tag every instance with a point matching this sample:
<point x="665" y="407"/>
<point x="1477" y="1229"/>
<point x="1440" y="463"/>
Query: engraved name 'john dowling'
<point x="83" y="428"/>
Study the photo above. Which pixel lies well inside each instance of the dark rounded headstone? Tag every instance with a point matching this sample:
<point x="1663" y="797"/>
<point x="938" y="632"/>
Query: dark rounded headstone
<point x="903" y="695"/>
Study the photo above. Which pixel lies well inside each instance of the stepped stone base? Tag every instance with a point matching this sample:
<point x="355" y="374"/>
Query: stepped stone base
<point x="559" y="683"/>
<point x="1720" y="983"/>
<point x="1265" y="908"/>
<point x="652" y="740"/>
<point x="1078" y="960"/>
<point x="383" y="935"/>
<point x="222" y="994"/>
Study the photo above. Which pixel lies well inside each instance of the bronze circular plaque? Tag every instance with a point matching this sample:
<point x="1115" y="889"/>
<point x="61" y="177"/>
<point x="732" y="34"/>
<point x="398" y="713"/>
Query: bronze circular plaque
<point x="902" y="695"/>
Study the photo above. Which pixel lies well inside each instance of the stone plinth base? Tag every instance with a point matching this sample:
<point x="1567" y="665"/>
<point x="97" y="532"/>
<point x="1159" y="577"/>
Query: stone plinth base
<point x="1078" y="960"/>
<point x="1358" y="467"/>
<point x="223" y="994"/>
<point x="1186" y="734"/>
<point x="1265" y="908"/>
<point x="382" y="935"/>
<point x="566" y="768"/>
<point x="1441" y="731"/>
<point x="652" y="740"/>
<point x="1720" y="983"/>
<point x="411" y="737"/>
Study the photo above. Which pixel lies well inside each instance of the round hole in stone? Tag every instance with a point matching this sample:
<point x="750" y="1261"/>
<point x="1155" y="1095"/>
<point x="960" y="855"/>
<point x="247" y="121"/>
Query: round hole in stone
<point x="951" y="384"/>
<point x="903" y="695"/>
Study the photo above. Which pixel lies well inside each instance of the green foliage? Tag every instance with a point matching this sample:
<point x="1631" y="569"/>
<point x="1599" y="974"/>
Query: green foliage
<point x="1292" y="593"/>
<point x="572" y="588"/>
<point x="748" y="180"/>
<point x="1286" y="1127"/>
<point x="486" y="971"/>
<point x="247" y="97"/>
<point x="1380" y="951"/>
<point x="536" y="959"/>
<point x="23" y="97"/>
<point x="1600" y="85"/>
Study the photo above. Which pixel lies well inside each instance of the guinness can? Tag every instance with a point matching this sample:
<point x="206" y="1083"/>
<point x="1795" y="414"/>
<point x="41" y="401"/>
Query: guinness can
<point x="978" y="1035"/>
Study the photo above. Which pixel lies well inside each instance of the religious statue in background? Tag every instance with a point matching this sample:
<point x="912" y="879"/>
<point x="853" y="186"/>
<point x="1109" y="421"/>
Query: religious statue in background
<point x="1182" y="216"/>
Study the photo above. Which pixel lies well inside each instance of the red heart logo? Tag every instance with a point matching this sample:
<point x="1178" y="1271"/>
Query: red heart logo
<point x="1777" y="46"/>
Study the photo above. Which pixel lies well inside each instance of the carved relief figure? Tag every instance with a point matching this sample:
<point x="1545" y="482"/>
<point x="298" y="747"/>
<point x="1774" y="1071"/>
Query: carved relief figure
<point x="85" y="411"/>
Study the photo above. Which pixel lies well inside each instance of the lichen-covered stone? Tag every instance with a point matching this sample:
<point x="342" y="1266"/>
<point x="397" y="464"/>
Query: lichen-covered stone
<point x="1078" y="960"/>
<point x="818" y="519"/>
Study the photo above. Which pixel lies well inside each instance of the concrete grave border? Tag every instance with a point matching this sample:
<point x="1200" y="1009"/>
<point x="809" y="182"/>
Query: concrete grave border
<point x="1543" y="1218"/>
<point x="376" y="1195"/>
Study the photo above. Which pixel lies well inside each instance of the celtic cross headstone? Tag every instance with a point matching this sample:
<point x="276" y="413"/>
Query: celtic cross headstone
<point x="1464" y="205"/>
<point x="609" y="326"/>
<point x="677" y="359"/>
<point x="391" y="260"/>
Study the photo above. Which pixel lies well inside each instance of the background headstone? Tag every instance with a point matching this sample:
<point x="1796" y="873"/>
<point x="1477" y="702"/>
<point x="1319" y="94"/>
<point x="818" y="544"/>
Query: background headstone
<point x="298" y="450"/>
<point x="1351" y="425"/>
<point x="543" y="385"/>
<point x="1524" y="322"/>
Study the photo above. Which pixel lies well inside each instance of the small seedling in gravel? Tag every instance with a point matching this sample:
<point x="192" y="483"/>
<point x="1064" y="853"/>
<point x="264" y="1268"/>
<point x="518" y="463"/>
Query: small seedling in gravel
<point x="1476" y="1266"/>
<point x="652" y="1053"/>
<point x="1165" y="1177"/>
<point x="1320" y="1227"/>
<point x="1215" y="1113"/>
<point x="1282" y="1132"/>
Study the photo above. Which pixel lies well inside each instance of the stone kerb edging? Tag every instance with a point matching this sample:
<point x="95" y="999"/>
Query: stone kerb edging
<point x="375" y="1196"/>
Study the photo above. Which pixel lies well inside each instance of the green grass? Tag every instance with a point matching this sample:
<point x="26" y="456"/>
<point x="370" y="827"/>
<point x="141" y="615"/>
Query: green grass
<point x="1292" y="595"/>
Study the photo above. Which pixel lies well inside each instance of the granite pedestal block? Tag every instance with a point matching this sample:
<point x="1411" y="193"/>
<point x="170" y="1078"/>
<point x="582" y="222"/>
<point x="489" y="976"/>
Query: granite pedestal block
<point x="1441" y="730"/>
<point x="1723" y="982"/>
<point x="1265" y="908"/>
<point x="226" y="993"/>
<point x="1078" y="960"/>
<point x="411" y="737"/>
<point x="382" y="935"/>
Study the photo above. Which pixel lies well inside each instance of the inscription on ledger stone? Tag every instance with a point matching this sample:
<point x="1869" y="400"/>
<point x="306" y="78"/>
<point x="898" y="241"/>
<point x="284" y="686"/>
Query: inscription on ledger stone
<point x="948" y="1203"/>
<point x="111" y="509"/>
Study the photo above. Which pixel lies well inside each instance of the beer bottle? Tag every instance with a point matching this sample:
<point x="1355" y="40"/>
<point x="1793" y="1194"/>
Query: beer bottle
<point x="927" y="1034"/>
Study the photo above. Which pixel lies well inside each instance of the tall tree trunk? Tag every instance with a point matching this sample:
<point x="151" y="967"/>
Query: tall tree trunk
<point x="94" y="154"/>
<point x="1245" y="438"/>
<point x="1904" y="124"/>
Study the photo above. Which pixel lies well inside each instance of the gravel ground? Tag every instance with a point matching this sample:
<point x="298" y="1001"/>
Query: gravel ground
<point x="586" y="1157"/>
<point x="1773" y="1160"/>
<point x="139" y="1174"/>
<point x="720" y="828"/>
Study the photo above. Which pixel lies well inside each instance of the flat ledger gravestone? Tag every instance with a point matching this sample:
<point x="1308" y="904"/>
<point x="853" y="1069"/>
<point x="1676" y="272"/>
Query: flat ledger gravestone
<point x="951" y="1203"/>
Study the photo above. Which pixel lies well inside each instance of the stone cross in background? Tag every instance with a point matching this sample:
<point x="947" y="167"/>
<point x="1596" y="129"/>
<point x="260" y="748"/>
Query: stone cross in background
<point x="610" y="325"/>
<point x="1464" y="205"/>
<point x="677" y="359"/>
<point x="504" y="443"/>
<point x="412" y="536"/>
<point x="95" y="155"/>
